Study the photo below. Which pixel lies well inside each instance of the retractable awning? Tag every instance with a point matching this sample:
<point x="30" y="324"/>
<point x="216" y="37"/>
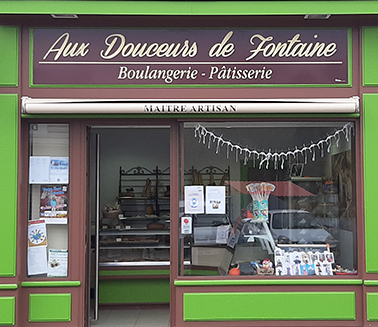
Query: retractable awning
<point x="177" y="106"/>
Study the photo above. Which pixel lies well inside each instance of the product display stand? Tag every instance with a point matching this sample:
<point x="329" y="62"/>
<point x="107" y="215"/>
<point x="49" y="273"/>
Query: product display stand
<point x="260" y="230"/>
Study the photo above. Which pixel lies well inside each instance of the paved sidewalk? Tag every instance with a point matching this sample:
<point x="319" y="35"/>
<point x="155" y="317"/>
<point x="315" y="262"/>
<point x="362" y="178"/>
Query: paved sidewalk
<point x="133" y="316"/>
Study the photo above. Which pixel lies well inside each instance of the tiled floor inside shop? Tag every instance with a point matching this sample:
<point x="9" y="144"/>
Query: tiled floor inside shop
<point x="133" y="316"/>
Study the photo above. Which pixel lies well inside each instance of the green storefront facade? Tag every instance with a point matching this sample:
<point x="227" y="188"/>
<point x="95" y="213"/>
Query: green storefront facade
<point x="196" y="298"/>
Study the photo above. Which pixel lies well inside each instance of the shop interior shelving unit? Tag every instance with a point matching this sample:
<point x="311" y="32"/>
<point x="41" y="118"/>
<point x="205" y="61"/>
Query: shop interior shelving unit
<point x="139" y="234"/>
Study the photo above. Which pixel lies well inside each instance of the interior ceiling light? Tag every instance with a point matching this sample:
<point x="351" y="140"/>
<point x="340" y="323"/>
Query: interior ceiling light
<point x="317" y="16"/>
<point x="64" y="16"/>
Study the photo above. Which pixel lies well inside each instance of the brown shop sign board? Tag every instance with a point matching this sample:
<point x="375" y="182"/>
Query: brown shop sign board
<point x="169" y="57"/>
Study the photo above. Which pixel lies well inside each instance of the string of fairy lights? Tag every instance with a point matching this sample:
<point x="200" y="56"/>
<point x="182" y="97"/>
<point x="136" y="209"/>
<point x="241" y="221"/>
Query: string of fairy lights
<point x="270" y="157"/>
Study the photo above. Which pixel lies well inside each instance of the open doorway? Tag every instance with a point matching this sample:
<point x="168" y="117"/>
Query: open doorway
<point x="129" y="220"/>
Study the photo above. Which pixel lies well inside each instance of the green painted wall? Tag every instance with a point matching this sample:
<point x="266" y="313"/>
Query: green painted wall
<point x="370" y="119"/>
<point x="269" y="306"/>
<point x="49" y="307"/>
<point x="372" y="306"/>
<point x="134" y="291"/>
<point x="369" y="56"/>
<point x="8" y="185"/>
<point x="7" y="311"/>
<point x="190" y="7"/>
<point x="269" y="281"/>
<point x="9" y="56"/>
<point x="52" y="283"/>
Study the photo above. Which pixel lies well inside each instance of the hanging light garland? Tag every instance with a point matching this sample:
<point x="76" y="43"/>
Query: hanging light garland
<point x="277" y="158"/>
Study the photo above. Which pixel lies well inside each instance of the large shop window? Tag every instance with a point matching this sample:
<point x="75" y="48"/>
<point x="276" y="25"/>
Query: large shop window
<point x="48" y="200"/>
<point x="268" y="198"/>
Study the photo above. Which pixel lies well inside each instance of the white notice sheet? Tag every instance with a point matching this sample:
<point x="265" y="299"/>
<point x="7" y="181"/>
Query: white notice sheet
<point x="57" y="266"/>
<point x="37" y="260"/>
<point x="37" y="247"/>
<point x="194" y="199"/>
<point x="39" y="170"/>
<point x="215" y="199"/>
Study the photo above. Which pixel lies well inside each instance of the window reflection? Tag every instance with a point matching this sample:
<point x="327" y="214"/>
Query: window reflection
<point x="311" y="211"/>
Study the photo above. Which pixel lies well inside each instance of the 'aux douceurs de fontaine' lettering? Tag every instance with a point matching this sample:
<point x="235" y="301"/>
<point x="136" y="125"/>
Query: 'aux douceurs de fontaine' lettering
<point x="185" y="61"/>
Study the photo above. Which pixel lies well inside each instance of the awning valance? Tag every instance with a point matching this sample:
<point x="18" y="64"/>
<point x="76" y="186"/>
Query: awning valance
<point x="192" y="106"/>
